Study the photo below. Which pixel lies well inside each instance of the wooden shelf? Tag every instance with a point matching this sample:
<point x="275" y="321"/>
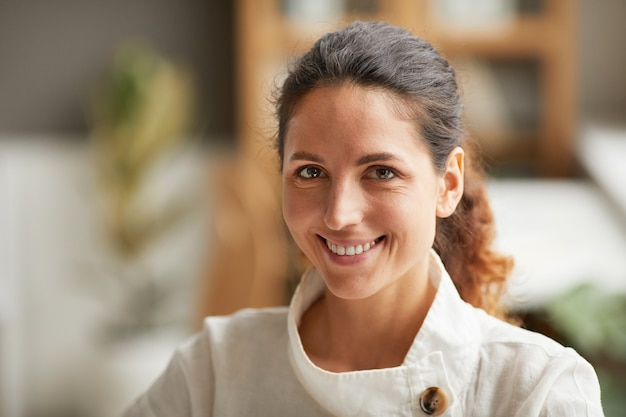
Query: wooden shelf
<point x="267" y="39"/>
<point x="515" y="38"/>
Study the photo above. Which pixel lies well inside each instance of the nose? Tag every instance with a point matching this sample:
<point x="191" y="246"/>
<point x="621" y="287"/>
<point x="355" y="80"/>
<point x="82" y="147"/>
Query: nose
<point x="344" y="206"/>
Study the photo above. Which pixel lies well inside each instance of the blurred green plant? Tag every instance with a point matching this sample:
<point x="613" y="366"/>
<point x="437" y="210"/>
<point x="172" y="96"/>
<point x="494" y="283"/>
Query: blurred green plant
<point x="594" y="322"/>
<point x="141" y="110"/>
<point x="140" y="113"/>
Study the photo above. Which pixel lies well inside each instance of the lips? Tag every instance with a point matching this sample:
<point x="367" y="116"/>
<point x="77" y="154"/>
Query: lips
<point x="350" y="250"/>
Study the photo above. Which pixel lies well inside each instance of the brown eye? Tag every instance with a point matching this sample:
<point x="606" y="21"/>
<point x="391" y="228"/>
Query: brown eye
<point x="381" y="174"/>
<point x="311" y="172"/>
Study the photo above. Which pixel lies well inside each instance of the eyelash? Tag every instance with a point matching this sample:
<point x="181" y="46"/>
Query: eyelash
<point x="301" y="171"/>
<point x="370" y="173"/>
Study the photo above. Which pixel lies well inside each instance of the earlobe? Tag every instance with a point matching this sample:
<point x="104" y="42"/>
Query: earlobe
<point x="451" y="189"/>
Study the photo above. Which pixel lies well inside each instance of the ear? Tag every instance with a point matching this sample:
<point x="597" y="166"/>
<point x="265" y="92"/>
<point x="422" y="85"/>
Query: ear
<point x="451" y="184"/>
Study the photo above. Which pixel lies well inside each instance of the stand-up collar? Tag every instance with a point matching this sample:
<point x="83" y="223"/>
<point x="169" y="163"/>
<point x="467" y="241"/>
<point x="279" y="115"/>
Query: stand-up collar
<point x="442" y="356"/>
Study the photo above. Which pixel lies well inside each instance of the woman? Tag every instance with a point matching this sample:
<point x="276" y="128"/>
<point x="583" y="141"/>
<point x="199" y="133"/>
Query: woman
<point x="378" y="194"/>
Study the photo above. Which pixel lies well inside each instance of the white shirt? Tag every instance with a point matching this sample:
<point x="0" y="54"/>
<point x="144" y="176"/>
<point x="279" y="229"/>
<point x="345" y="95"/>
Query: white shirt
<point x="252" y="364"/>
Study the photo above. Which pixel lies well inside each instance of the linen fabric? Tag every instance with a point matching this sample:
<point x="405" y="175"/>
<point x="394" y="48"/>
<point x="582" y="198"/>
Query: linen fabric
<point x="252" y="363"/>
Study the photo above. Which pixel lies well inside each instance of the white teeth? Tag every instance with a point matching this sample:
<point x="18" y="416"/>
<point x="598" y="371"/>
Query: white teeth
<point x="350" y="250"/>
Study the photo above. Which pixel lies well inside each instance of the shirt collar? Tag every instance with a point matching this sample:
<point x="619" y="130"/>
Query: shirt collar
<point x="445" y="345"/>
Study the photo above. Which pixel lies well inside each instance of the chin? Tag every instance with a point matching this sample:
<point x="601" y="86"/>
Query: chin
<point x="350" y="288"/>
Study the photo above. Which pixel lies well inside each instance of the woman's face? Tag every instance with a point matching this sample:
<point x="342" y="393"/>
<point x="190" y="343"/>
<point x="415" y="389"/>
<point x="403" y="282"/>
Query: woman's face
<point x="360" y="193"/>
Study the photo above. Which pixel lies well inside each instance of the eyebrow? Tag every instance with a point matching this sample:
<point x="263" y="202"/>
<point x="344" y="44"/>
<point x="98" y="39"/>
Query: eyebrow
<point x="305" y="156"/>
<point x="377" y="157"/>
<point x="367" y="159"/>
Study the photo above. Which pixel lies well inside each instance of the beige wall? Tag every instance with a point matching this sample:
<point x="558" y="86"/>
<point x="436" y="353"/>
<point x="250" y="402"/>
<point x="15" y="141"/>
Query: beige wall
<point x="52" y="52"/>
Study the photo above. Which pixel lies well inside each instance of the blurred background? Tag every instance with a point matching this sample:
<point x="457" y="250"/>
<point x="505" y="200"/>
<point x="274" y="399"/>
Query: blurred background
<point x="139" y="193"/>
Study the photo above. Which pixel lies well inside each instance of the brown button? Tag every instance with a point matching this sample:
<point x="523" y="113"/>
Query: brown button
<point x="433" y="401"/>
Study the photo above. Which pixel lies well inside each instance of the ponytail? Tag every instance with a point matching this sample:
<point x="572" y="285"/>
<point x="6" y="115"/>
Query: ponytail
<point x="464" y="243"/>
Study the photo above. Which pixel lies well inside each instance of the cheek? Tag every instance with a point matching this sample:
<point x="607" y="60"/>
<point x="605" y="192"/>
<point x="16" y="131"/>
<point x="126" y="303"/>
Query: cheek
<point x="296" y="209"/>
<point x="414" y="216"/>
<point x="288" y="207"/>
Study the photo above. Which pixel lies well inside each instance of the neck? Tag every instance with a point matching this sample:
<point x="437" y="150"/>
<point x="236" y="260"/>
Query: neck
<point x="377" y="332"/>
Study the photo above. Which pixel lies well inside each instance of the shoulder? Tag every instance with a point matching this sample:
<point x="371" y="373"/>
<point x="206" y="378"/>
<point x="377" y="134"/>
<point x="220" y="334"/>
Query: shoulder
<point x="249" y="322"/>
<point x="245" y="334"/>
<point x="496" y="332"/>
<point x="244" y="337"/>
<point x="521" y="344"/>
<point x="220" y="332"/>
<point x="518" y="366"/>
<point x="207" y="373"/>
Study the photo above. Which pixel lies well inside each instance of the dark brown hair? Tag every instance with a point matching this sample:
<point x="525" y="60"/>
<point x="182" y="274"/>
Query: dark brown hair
<point x="379" y="55"/>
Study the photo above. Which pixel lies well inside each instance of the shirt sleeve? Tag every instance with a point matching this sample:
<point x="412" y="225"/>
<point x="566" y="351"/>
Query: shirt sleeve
<point x="566" y="386"/>
<point x="535" y="378"/>
<point x="184" y="388"/>
<point x="574" y="390"/>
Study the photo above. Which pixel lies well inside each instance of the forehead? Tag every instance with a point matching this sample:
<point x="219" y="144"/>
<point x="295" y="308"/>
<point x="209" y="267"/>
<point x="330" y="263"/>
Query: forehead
<point x="354" y="114"/>
<point x="358" y="98"/>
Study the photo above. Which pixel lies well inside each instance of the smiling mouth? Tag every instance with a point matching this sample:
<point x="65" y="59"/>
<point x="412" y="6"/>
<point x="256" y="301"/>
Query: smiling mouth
<point x="351" y="250"/>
